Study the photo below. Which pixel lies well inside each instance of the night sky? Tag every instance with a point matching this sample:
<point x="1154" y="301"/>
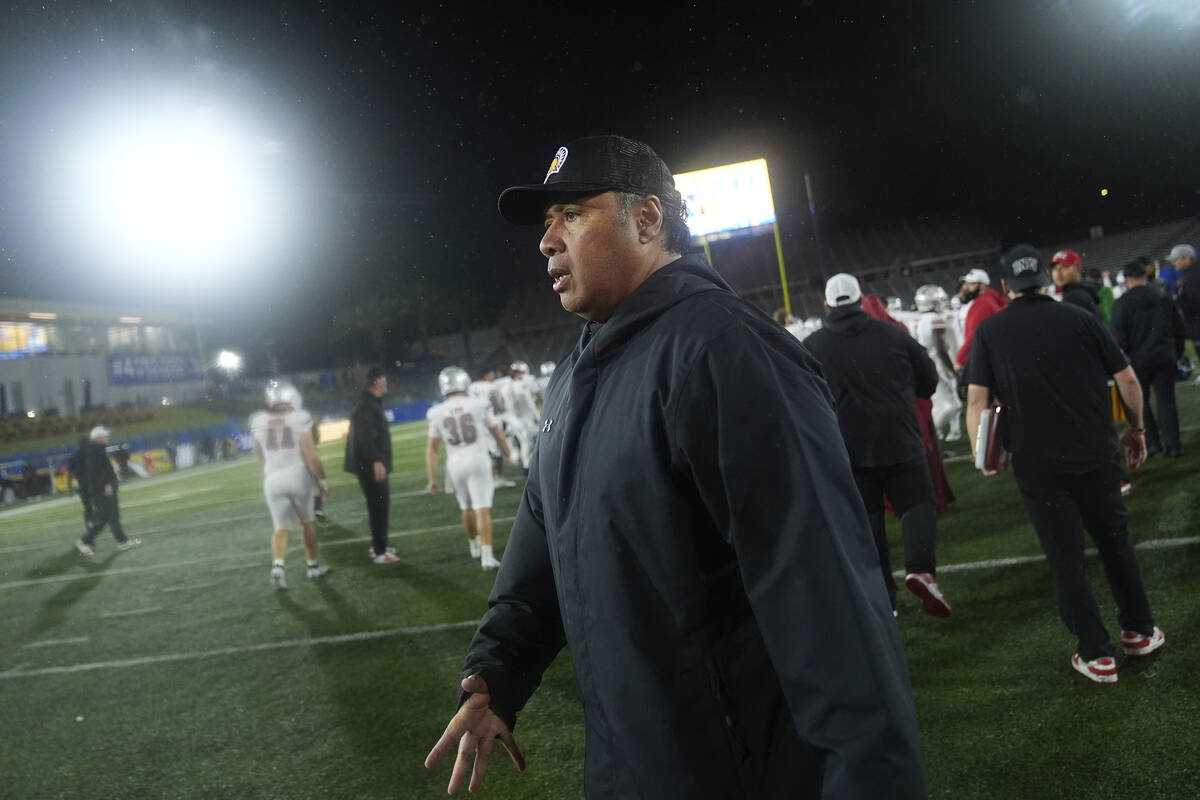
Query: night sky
<point x="400" y="127"/>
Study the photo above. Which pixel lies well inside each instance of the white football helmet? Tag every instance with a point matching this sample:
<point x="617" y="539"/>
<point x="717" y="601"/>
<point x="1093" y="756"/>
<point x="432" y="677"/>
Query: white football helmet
<point x="931" y="297"/>
<point x="282" y="393"/>
<point x="519" y="366"/>
<point x="546" y="369"/>
<point x="453" y="379"/>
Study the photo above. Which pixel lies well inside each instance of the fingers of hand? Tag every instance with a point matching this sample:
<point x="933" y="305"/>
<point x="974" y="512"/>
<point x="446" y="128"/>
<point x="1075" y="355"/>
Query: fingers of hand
<point x="462" y="765"/>
<point x="475" y="684"/>
<point x="514" y="750"/>
<point x="482" y="754"/>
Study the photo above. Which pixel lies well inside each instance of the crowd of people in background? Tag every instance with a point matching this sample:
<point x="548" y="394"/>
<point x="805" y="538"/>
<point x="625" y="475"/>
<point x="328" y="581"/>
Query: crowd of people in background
<point x="1057" y="376"/>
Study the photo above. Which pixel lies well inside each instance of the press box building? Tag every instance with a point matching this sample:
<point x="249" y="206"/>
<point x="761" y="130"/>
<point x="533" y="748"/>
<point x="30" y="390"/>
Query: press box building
<point x="72" y="357"/>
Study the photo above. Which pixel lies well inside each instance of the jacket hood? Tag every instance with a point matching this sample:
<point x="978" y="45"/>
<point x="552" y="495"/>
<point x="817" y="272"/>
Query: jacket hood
<point x="847" y="320"/>
<point x="1080" y="286"/>
<point x="669" y="285"/>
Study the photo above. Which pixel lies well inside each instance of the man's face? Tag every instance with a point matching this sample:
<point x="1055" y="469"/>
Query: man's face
<point x="1063" y="274"/>
<point x="101" y="440"/>
<point x="970" y="291"/>
<point x="379" y="387"/>
<point x="1183" y="262"/>
<point x="592" y="254"/>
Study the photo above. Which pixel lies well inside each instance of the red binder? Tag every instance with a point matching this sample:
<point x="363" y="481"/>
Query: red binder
<point x="990" y="453"/>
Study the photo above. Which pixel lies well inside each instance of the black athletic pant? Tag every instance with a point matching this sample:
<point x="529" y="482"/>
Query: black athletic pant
<point x="910" y="490"/>
<point x="1063" y="501"/>
<point x="87" y="510"/>
<point x="104" y="512"/>
<point x="1162" y="424"/>
<point x="378" y="495"/>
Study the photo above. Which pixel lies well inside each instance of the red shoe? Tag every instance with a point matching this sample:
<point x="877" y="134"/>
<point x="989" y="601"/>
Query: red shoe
<point x="1137" y="644"/>
<point x="1101" y="670"/>
<point x="925" y="587"/>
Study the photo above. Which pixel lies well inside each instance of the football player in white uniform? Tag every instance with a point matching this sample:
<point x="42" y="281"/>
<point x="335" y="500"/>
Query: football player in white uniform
<point x="937" y="333"/>
<point x="523" y="420"/>
<point x="489" y="389"/>
<point x="460" y="420"/>
<point x="292" y="471"/>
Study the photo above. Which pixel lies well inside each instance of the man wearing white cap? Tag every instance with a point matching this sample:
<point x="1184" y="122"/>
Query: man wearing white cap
<point x="876" y="373"/>
<point x="980" y="302"/>
<point x="101" y="482"/>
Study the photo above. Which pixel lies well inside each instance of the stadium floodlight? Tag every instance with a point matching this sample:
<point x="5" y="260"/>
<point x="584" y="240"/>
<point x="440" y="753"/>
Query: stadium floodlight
<point x="161" y="185"/>
<point x="229" y="361"/>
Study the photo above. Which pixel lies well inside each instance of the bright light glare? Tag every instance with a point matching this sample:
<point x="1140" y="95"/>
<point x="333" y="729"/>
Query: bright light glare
<point x="229" y="360"/>
<point x="1182" y="12"/>
<point x="170" y="186"/>
<point x="1104" y="192"/>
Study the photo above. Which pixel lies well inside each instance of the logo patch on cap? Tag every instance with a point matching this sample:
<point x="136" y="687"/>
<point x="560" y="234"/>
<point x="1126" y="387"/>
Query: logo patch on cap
<point x="1023" y="265"/>
<point x="560" y="158"/>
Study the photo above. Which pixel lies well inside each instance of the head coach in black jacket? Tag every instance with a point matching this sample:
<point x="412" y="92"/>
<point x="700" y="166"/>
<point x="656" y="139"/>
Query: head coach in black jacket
<point x="369" y="457"/>
<point x="876" y="372"/>
<point x="689" y="529"/>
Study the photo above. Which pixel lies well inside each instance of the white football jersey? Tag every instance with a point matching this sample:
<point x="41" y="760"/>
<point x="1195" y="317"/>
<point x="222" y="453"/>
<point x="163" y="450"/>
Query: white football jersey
<point x="520" y="398"/>
<point x="908" y="319"/>
<point x="463" y="422"/>
<point x="498" y="395"/>
<point x="278" y="434"/>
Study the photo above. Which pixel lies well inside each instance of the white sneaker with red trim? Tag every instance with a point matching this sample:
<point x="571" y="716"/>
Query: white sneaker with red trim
<point x="1138" y="644"/>
<point x="925" y="587"/>
<point x="1100" y="670"/>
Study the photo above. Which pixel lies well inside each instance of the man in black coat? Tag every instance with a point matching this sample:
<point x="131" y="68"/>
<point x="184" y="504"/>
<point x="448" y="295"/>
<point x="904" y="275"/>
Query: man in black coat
<point x="369" y="457"/>
<point x="876" y="372"/>
<point x="75" y="467"/>
<point x="100" y="483"/>
<point x="1150" y="331"/>
<point x="689" y="529"/>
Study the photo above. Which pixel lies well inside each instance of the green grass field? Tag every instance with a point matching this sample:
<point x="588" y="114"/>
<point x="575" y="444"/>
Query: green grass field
<point x="174" y="670"/>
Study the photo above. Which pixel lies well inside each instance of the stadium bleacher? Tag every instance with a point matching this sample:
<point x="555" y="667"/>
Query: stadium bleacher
<point x="890" y="261"/>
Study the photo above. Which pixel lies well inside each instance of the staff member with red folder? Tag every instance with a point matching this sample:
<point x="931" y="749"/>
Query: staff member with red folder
<point x="1049" y="364"/>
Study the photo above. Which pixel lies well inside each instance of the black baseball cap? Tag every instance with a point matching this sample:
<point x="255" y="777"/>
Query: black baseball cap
<point x="589" y="166"/>
<point x="1023" y="268"/>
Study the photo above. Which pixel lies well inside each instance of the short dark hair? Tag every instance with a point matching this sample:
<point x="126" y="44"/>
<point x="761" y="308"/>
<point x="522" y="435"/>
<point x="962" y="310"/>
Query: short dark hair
<point x="675" y="227"/>
<point x="374" y="373"/>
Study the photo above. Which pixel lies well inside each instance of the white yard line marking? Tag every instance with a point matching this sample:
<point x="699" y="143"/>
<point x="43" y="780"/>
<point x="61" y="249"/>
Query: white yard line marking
<point x="190" y="587"/>
<point x="258" y="562"/>
<point x="19" y="671"/>
<point x="167" y="497"/>
<point x="131" y="613"/>
<point x="1149" y="544"/>
<point x="53" y="642"/>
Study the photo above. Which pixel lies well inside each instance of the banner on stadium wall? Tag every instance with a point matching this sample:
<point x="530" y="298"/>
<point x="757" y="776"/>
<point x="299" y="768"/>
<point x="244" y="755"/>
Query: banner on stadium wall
<point x="130" y="370"/>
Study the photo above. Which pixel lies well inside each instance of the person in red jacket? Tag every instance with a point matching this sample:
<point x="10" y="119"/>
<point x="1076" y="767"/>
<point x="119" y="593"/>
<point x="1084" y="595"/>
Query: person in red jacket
<point x="981" y="302"/>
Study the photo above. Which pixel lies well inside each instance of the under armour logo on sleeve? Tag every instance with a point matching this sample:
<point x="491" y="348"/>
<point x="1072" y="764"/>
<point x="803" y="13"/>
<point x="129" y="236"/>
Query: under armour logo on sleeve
<point x="546" y="427"/>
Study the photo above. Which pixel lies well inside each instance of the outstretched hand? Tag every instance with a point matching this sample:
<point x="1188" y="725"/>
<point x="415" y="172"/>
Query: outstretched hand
<point x="475" y="729"/>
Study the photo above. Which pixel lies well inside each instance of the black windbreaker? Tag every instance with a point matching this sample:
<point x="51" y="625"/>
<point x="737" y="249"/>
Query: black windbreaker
<point x="1148" y="327"/>
<point x="369" y="439"/>
<point x="691" y="531"/>
<point x="876" y="372"/>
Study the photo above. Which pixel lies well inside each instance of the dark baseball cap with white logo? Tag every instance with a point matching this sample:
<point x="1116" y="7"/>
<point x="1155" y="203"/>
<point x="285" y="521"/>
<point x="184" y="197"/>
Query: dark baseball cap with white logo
<point x="1023" y="268"/>
<point x="590" y="166"/>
